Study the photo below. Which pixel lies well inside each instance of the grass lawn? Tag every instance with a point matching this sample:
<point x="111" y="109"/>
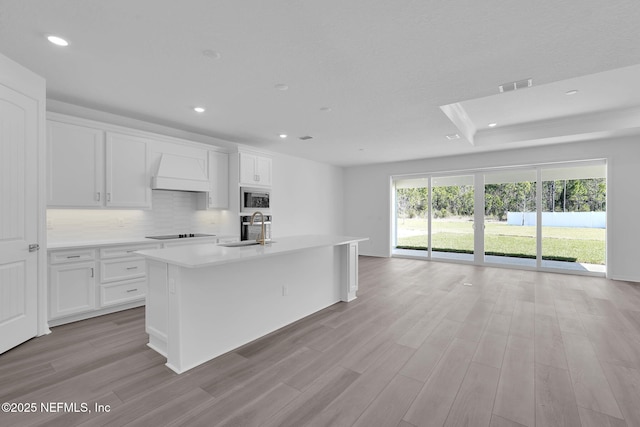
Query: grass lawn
<point x="586" y="245"/>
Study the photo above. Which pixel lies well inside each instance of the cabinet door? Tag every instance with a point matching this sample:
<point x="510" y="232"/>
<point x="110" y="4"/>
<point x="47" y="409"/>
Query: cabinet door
<point x="263" y="170"/>
<point x="75" y="156"/>
<point x="71" y="288"/>
<point x="218" y="197"/>
<point x="127" y="172"/>
<point x="255" y="170"/>
<point x="248" y="169"/>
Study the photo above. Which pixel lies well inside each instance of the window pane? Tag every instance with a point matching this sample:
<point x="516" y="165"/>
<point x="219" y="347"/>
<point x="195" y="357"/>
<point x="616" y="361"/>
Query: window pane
<point x="452" y="219"/>
<point x="574" y="217"/>
<point x="412" y="214"/>
<point x="510" y="217"/>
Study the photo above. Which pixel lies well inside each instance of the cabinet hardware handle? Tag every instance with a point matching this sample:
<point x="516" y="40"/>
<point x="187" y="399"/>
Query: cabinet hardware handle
<point x="91" y="271"/>
<point x="132" y="290"/>
<point x="73" y="256"/>
<point x="131" y="251"/>
<point x="98" y="193"/>
<point x="108" y="197"/>
<point x="131" y="268"/>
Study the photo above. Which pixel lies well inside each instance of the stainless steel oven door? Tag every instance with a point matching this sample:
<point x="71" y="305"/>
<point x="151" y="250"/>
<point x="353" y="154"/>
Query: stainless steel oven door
<point x="252" y="232"/>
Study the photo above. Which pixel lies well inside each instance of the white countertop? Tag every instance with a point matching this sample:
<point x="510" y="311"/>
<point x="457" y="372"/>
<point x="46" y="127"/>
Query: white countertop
<point x="69" y="244"/>
<point x="204" y="255"/>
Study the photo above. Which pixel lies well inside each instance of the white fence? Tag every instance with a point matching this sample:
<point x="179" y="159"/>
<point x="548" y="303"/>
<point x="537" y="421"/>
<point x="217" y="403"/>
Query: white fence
<point x="560" y="219"/>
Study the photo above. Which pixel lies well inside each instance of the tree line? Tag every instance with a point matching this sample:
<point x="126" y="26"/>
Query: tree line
<point x="578" y="195"/>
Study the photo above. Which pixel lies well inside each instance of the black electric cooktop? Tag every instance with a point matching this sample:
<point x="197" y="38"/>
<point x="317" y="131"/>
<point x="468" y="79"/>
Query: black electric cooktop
<point x="180" y="236"/>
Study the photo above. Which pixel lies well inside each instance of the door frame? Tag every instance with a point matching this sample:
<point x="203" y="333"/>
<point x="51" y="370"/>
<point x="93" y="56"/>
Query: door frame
<point x="20" y="79"/>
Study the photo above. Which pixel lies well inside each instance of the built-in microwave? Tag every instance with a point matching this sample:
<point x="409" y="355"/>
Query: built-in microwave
<point x="255" y="199"/>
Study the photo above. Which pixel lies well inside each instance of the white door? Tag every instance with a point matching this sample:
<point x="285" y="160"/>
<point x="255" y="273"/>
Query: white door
<point x="21" y="205"/>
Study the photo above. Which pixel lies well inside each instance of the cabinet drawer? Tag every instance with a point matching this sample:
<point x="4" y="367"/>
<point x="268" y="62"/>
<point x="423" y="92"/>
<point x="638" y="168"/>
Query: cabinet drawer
<point x="120" y="293"/>
<point x="122" y="269"/>
<point x="72" y="255"/>
<point x="123" y="251"/>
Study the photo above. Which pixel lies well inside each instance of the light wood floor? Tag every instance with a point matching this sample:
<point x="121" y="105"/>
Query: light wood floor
<point x="417" y="348"/>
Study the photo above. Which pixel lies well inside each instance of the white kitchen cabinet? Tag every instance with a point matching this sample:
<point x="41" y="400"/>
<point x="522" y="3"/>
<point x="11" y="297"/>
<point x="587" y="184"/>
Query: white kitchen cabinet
<point x="87" y="282"/>
<point x="218" y="196"/>
<point x="72" y="288"/>
<point x="255" y="169"/>
<point x="75" y="157"/>
<point x="127" y="172"/>
<point x="123" y="292"/>
<point x="85" y="171"/>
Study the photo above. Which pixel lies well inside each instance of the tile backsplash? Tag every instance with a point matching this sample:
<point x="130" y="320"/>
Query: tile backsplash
<point x="173" y="212"/>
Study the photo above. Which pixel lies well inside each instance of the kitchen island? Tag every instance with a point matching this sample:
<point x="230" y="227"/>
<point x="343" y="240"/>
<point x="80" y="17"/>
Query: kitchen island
<point x="205" y="300"/>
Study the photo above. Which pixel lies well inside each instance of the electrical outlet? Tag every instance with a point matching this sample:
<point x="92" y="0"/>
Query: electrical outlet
<point x="49" y="224"/>
<point x="120" y="222"/>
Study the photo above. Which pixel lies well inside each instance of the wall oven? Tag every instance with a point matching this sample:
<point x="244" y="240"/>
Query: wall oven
<point x="252" y="232"/>
<point x="255" y="199"/>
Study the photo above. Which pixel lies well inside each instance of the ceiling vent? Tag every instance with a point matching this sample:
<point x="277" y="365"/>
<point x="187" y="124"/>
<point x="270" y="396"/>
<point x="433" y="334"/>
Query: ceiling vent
<point x="520" y="84"/>
<point x="306" y="137"/>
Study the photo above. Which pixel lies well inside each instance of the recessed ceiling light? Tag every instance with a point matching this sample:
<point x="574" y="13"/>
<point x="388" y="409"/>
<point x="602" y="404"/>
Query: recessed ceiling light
<point x="281" y="86"/>
<point x="492" y="125"/>
<point x="199" y="109"/>
<point x="59" y="41"/>
<point x="453" y="136"/>
<point x="571" y="92"/>
<point x="325" y="109"/>
<point x="211" y="54"/>
<point x="283" y="135"/>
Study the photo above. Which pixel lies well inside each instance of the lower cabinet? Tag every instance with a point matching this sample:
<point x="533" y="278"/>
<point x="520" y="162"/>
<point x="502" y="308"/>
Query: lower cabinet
<point x="72" y="288"/>
<point x="92" y="281"/>
<point x="122" y="292"/>
<point x="88" y="282"/>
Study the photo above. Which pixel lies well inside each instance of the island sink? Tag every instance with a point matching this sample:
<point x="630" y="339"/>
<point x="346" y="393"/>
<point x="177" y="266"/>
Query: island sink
<point x="244" y="243"/>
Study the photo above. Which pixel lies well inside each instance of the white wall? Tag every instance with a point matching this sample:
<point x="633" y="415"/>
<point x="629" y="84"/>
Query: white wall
<point x="308" y="197"/>
<point x="368" y="203"/>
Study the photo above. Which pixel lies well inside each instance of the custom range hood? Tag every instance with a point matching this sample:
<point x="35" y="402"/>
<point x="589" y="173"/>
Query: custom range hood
<point x="180" y="173"/>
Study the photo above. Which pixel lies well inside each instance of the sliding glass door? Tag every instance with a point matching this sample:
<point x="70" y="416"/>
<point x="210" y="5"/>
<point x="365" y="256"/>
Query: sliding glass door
<point x="574" y="210"/>
<point x="510" y="217"/>
<point x="452" y="210"/>
<point x="548" y="217"/>
<point x="412" y="215"/>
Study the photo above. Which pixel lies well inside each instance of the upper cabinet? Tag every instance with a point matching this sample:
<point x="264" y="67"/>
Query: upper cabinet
<point x="127" y="178"/>
<point x="75" y="156"/>
<point x="218" y="195"/>
<point x="87" y="171"/>
<point x="255" y="169"/>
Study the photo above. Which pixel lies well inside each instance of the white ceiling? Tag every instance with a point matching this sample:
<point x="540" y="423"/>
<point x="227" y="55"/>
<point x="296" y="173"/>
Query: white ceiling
<point x="383" y="67"/>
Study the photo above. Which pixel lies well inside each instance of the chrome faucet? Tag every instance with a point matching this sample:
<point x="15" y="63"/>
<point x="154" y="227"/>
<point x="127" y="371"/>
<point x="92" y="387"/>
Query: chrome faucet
<point x="260" y="238"/>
